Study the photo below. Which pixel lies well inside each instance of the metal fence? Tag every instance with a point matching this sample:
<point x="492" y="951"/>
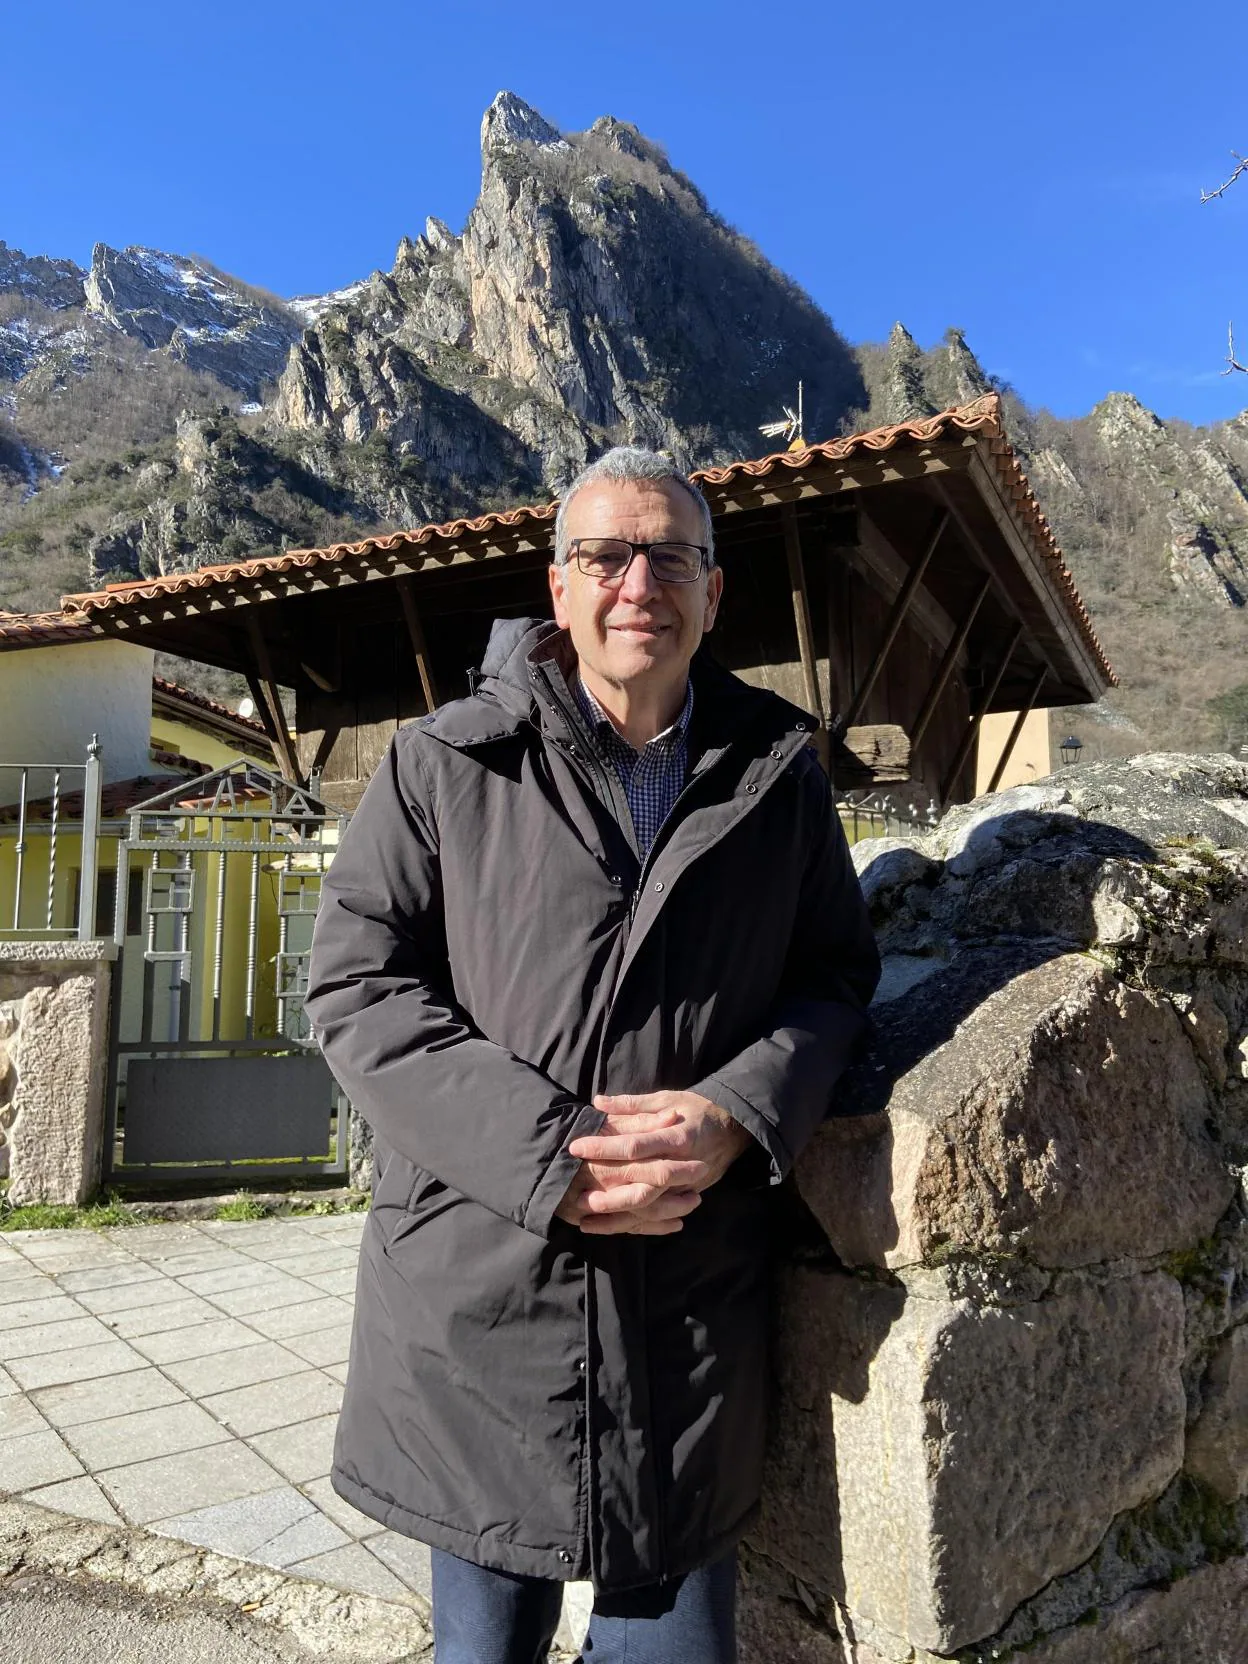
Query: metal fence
<point x="49" y="847"/>
<point x="876" y="815"/>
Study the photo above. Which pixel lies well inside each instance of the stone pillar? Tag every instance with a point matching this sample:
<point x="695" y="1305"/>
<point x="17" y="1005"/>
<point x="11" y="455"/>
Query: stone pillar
<point x="1011" y="1414"/>
<point x="53" y="1067"/>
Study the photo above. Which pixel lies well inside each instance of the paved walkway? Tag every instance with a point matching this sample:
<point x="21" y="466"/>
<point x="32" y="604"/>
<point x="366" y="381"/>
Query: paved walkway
<point x="187" y="1378"/>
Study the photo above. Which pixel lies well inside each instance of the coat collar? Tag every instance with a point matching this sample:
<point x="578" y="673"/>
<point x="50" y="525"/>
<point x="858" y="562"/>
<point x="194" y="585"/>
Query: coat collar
<point x="524" y="682"/>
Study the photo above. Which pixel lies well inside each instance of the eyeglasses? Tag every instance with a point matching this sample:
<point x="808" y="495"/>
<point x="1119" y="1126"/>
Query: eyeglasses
<point x="608" y="558"/>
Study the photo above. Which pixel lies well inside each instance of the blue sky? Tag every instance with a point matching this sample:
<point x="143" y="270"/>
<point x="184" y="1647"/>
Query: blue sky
<point x="1031" y="175"/>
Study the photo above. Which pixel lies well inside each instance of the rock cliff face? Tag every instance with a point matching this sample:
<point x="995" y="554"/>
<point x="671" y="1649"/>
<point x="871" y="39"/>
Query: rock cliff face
<point x="592" y="297"/>
<point x="1013" y="1369"/>
<point x="201" y="317"/>
<point x="195" y="314"/>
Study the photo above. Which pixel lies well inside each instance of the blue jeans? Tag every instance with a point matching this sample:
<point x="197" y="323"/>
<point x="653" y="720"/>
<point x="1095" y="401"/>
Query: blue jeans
<point x="488" y="1617"/>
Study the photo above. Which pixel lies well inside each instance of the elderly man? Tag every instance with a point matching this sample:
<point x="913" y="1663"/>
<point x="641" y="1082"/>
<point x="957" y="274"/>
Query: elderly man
<point x="589" y="961"/>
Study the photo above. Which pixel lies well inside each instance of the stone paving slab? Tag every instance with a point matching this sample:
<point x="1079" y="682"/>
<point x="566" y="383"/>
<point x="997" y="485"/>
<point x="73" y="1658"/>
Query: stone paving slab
<point x="78" y="1363"/>
<point x="264" y="1360"/>
<point x="288" y="1401"/>
<point x="322" y="1346"/>
<point x="160" y="1432"/>
<point x="186" y="1377"/>
<point x="302" y="1452"/>
<point x="30" y="1459"/>
<point x="143" y="1389"/>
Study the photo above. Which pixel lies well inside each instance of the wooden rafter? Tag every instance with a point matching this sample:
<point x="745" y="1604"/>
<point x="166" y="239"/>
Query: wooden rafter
<point x="946" y="668"/>
<point x="901" y="606"/>
<point x="416" y="634"/>
<point x="269" y="703"/>
<point x="801" y="611"/>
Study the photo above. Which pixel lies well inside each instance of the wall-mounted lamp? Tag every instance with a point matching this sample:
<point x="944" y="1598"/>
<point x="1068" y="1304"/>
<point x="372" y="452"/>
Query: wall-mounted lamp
<point x="1070" y="749"/>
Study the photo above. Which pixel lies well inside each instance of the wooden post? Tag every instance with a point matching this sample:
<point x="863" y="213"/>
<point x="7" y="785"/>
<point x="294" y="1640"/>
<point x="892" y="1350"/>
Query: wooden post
<point x="834" y="571"/>
<point x="801" y="611"/>
<point x="407" y="599"/>
<point x="901" y="607"/>
<point x="977" y="717"/>
<point x="928" y="708"/>
<point x="1016" y="730"/>
<point x="269" y="703"/>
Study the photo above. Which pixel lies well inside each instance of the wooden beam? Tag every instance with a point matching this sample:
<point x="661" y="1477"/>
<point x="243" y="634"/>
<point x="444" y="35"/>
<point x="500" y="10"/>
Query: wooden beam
<point x="416" y="633"/>
<point x="901" y="606"/>
<point x="876" y="559"/>
<point x="837" y="584"/>
<point x="1017" y="729"/>
<point x="941" y="680"/>
<point x="977" y="716"/>
<point x="1023" y="557"/>
<point x="801" y="611"/>
<point x="1035" y="570"/>
<point x="270" y="701"/>
<point x="876" y="755"/>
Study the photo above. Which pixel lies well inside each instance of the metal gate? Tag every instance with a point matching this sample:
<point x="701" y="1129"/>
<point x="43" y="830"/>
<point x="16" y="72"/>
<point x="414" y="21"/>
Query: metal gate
<point x="213" y="1071"/>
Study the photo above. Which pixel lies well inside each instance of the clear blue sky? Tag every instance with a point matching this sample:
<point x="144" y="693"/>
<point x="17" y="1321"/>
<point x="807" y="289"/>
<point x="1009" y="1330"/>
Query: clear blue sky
<point x="1030" y="174"/>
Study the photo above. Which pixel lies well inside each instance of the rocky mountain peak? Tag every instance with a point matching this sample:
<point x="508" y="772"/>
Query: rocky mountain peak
<point x="592" y="297"/>
<point x="1121" y="420"/>
<point x="906" y="390"/>
<point x="205" y="318"/>
<point x="966" y="377"/>
<point x="510" y="122"/>
<point x="439" y="236"/>
<point x="56" y="284"/>
<point x="623" y="137"/>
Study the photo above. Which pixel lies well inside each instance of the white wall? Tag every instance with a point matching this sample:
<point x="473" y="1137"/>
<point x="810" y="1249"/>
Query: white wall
<point x="52" y="699"/>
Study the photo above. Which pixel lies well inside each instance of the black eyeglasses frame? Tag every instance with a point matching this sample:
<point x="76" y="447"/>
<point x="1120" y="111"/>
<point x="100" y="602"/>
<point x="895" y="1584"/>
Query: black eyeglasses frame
<point x="574" y="553"/>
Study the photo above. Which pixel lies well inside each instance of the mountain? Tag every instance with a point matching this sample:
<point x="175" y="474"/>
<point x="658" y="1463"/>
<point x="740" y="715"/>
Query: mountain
<point x="157" y="413"/>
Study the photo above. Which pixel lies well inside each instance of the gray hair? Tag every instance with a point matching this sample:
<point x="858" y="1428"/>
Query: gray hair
<point x="627" y="463"/>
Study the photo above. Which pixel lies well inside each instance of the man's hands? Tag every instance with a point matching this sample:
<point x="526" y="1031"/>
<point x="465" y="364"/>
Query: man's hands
<point x="648" y="1166"/>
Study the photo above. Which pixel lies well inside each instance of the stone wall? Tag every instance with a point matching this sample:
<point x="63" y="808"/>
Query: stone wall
<point x="53" y="1066"/>
<point x="1011" y="1415"/>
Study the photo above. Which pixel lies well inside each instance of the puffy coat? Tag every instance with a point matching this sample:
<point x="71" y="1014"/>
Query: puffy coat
<point x="490" y="953"/>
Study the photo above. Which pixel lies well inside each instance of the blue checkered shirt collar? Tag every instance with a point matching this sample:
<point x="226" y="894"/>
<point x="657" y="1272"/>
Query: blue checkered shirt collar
<point x="652" y="778"/>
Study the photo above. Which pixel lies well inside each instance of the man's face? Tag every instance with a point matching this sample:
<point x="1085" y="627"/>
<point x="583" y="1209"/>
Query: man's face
<point x="640" y="629"/>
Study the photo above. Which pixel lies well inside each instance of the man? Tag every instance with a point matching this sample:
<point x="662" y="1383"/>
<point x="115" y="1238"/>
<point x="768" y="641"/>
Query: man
<point x="589" y="961"/>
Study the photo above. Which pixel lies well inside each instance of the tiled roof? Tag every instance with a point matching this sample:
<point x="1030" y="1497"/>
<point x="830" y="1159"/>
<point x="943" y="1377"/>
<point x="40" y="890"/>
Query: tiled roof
<point x="201" y="701"/>
<point x="40" y="629"/>
<point x="297" y="560"/>
<point x="981" y="419"/>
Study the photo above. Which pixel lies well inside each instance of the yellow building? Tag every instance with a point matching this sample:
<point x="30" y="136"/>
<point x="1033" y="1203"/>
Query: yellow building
<point x="60" y="689"/>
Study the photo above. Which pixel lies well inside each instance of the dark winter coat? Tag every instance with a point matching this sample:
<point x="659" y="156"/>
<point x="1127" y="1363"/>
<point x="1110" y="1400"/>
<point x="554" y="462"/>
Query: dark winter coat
<point x="489" y="954"/>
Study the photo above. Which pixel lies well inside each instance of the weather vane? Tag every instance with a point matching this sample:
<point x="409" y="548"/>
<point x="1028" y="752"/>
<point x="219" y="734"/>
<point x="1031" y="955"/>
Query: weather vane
<point x="791" y="428"/>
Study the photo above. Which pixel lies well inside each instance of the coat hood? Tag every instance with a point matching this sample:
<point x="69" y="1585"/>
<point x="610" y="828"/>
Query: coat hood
<point x="503" y="695"/>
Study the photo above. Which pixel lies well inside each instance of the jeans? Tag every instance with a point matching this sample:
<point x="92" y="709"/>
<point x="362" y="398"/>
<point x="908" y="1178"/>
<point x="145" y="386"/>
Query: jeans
<point x="488" y="1617"/>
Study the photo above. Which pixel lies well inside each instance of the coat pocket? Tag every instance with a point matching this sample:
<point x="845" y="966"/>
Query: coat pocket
<point x="427" y="1197"/>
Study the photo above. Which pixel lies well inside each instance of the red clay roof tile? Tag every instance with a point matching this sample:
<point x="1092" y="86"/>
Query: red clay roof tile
<point x="981" y="418"/>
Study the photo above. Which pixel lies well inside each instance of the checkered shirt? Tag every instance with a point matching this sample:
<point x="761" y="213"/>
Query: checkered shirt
<point x="652" y="778"/>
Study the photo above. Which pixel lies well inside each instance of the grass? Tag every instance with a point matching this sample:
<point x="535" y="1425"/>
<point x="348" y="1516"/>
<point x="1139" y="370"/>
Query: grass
<point x="50" y="1216"/>
<point x="110" y="1209"/>
<point x="242" y="1207"/>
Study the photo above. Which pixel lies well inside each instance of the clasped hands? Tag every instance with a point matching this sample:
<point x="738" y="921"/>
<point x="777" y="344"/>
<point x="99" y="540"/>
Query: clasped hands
<point x="650" y="1162"/>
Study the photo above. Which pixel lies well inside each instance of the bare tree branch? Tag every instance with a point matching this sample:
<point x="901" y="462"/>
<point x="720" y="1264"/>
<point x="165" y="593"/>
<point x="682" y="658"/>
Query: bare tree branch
<point x="1232" y="363"/>
<point x="1241" y="166"/>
